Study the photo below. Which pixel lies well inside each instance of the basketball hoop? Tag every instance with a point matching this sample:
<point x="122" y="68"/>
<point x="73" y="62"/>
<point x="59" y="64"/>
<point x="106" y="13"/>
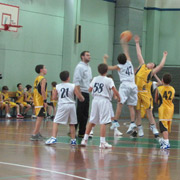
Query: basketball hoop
<point x="7" y="26"/>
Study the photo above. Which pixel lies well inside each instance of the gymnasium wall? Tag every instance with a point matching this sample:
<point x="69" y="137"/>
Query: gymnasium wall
<point x="97" y="20"/>
<point x="41" y="40"/>
<point x="161" y="31"/>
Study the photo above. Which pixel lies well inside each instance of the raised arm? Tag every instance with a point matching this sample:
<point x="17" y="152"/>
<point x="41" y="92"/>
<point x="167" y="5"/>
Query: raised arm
<point x="124" y="45"/>
<point x="158" y="80"/>
<point x="138" y="50"/>
<point x="160" y="66"/>
<point x="156" y="96"/>
<point x="105" y="57"/>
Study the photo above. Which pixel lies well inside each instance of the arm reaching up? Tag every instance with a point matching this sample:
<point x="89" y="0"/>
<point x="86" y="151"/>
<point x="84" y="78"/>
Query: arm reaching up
<point x="125" y="48"/>
<point x="138" y="49"/>
<point x="160" y="66"/>
<point x="159" y="82"/>
<point x="105" y="57"/>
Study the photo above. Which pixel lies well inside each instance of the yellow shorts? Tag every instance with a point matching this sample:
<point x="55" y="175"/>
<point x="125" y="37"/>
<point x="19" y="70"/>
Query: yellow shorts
<point x="165" y="126"/>
<point x="143" y="110"/>
<point x="165" y="114"/>
<point x="12" y="104"/>
<point x="2" y="105"/>
<point x="40" y="111"/>
<point x="25" y="104"/>
<point x="145" y="100"/>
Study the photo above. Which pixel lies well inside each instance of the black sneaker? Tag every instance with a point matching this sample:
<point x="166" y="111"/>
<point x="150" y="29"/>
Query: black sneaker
<point x="41" y="137"/>
<point x="35" y="138"/>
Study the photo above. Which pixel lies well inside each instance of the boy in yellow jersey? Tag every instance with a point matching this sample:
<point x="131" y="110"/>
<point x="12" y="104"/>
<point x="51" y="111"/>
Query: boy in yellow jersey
<point x="164" y="97"/>
<point x="20" y="99"/>
<point x="3" y="105"/>
<point x="9" y="103"/>
<point x="151" y="87"/>
<point x="40" y="100"/>
<point x="53" y="103"/>
<point x="143" y="75"/>
<point x="29" y="98"/>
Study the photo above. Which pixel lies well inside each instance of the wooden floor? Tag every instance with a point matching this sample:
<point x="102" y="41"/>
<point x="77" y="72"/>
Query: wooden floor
<point x="129" y="159"/>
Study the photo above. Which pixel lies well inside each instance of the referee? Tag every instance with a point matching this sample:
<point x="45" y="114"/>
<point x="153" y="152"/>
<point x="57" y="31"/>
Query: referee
<point x="81" y="79"/>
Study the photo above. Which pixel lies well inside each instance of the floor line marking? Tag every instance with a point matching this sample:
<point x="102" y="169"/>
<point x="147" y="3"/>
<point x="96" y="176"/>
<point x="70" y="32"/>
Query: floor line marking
<point x="60" y="148"/>
<point x="41" y="169"/>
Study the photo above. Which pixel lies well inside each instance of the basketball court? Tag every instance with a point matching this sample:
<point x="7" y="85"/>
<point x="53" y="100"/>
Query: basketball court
<point x="35" y="32"/>
<point x="130" y="158"/>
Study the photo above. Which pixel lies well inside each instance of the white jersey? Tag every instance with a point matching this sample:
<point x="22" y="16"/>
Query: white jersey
<point x="102" y="86"/>
<point x="126" y="72"/>
<point x="65" y="93"/>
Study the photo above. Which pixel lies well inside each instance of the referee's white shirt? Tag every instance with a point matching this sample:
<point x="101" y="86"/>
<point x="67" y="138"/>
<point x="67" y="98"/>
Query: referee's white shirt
<point x="82" y="76"/>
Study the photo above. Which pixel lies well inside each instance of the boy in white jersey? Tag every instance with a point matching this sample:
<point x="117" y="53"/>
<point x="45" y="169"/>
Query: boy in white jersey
<point x="128" y="88"/>
<point x="101" y="106"/>
<point x="66" y="111"/>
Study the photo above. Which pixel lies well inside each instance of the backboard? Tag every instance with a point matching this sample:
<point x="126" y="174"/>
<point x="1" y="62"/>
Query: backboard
<point x="9" y="15"/>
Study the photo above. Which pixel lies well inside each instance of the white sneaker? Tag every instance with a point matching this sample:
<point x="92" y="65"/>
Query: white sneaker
<point x="105" y="145"/>
<point x="140" y="131"/>
<point x="161" y="141"/>
<point x="114" y="125"/>
<point x="8" y="115"/>
<point x="51" y="140"/>
<point x="91" y="134"/>
<point x="84" y="142"/>
<point x="154" y="130"/>
<point x="117" y="133"/>
<point x="131" y="128"/>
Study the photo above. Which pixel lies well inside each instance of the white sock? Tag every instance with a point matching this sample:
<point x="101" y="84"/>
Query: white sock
<point x="102" y="139"/>
<point x="86" y="136"/>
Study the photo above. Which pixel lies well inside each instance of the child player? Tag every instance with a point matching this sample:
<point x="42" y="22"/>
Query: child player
<point x="40" y="100"/>
<point x="164" y="97"/>
<point x="101" y="106"/>
<point x="66" y="111"/>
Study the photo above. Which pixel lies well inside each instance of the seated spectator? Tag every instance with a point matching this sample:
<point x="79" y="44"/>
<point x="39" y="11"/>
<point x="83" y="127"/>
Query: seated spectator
<point x="3" y="105"/>
<point x="20" y="100"/>
<point x="9" y="103"/>
<point x="29" y="98"/>
<point x="52" y="104"/>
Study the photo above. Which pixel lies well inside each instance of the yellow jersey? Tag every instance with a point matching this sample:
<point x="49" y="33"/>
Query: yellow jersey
<point x="38" y="99"/>
<point x="19" y="93"/>
<point x="166" y="96"/>
<point x="5" y="96"/>
<point x="142" y="77"/>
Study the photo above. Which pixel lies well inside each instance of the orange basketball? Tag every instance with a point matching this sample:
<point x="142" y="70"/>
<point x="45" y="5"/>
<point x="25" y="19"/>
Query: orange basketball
<point x="127" y="35"/>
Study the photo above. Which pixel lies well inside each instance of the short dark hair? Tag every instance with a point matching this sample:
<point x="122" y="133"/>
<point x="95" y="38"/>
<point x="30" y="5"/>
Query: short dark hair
<point x="102" y="68"/>
<point x="28" y="87"/>
<point x="19" y="84"/>
<point x="167" y="78"/>
<point x="54" y="84"/>
<point x="5" y="88"/>
<point x="38" y="68"/>
<point x="64" y="75"/>
<point x="122" y="58"/>
<point x="83" y="53"/>
<point x="110" y="76"/>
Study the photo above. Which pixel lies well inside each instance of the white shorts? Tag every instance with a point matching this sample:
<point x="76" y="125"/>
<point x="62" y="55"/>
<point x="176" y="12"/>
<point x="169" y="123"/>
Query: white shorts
<point x="66" y="114"/>
<point x="128" y="93"/>
<point x="100" y="111"/>
<point x="112" y="111"/>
